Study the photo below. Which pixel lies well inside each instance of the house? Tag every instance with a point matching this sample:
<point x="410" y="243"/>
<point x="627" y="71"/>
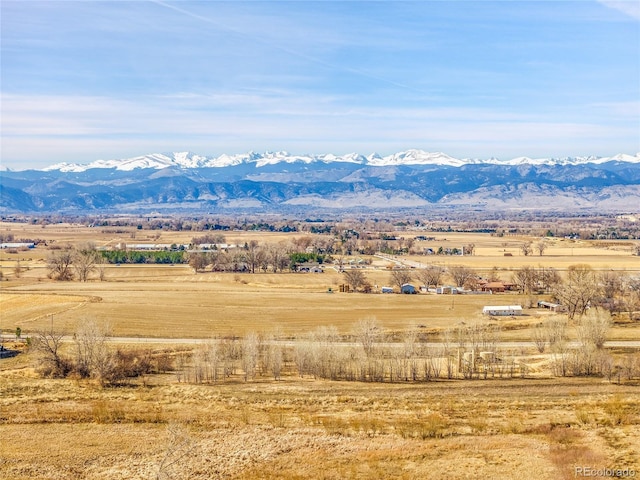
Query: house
<point x="309" y="267"/>
<point x="502" y="310"/>
<point x="493" y="287"/>
<point x="408" y="288"/>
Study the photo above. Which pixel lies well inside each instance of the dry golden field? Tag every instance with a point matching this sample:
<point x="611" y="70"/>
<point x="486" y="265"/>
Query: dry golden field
<point x="539" y="427"/>
<point x="305" y="428"/>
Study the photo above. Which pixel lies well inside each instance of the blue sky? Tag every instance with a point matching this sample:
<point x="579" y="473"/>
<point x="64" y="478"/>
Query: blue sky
<point x="90" y="80"/>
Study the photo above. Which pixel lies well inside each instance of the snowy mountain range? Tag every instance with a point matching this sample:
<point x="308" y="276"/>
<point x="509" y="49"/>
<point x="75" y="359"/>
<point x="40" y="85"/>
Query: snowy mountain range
<point x="280" y="182"/>
<point x="409" y="157"/>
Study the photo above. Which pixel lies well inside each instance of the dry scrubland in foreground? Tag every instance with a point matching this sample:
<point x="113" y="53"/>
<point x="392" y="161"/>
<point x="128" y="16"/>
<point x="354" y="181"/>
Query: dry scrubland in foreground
<point x="305" y="428"/>
<point x="160" y="426"/>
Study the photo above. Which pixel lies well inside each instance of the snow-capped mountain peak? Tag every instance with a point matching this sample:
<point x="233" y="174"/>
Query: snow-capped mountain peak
<point x="408" y="157"/>
<point x="415" y="157"/>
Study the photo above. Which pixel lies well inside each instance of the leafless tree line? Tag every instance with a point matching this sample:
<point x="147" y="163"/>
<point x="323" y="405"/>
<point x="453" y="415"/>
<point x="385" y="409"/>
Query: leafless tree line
<point x="368" y="357"/>
<point x="589" y="358"/>
<point x="253" y="257"/>
<point x="216" y="361"/>
<point x="367" y="354"/>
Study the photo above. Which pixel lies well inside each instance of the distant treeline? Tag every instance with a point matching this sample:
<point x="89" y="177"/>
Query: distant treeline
<point x="131" y="256"/>
<point x="299" y="257"/>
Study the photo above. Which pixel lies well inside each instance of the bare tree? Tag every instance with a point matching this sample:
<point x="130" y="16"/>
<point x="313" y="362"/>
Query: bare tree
<point x="85" y="259"/>
<point x="60" y="265"/>
<point x="541" y="246"/>
<point x="526" y="279"/>
<point x="262" y="259"/>
<point x="17" y="269"/>
<point x="549" y="278"/>
<point x="494" y="275"/>
<point x="252" y="255"/>
<point x="461" y="274"/>
<point x="355" y="278"/>
<point x="102" y="271"/>
<point x="560" y="358"/>
<point x="430" y="276"/>
<point x="51" y="363"/>
<point x="448" y="337"/>
<point x="593" y="327"/>
<point x="539" y="336"/>
<point x="198" y="261"/>
<point x="613" y="285"/>
<point x="399" y="278"/>
<point x="579" y="289"/>
<point x="526" y="248"/>
<point x="238" y="261"/>
<point x="250" y="353"/>
<point x="274" y="355"/>
<point x="552" y="331"/>
<point x="219" y="260"/>
<point x="367" y="331"/>
<point x="278" y="257"/>
<point x="632" y="297"/>
<point x="93" y="356"/>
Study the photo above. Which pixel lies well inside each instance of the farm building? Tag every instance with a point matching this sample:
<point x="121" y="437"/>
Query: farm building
<point x="447" y="290"/>
<point x="386" y="289"/>
<point x="408" y="288"/>
<point x="18" y="245"/>
<point x="502" y="310"/>
<point x="554" y="307"/>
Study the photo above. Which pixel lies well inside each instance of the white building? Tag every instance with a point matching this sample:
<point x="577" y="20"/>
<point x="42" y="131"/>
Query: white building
<point x="18" y="245"/>
<point x="502" y="310"/>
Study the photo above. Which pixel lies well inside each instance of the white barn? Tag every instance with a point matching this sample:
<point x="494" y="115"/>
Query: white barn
<point x="502" y="310"/>
<point x="18" y="245"/>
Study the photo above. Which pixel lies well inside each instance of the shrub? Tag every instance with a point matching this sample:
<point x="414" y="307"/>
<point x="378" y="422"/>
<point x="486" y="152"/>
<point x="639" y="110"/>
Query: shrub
<point x="617" y="411"/>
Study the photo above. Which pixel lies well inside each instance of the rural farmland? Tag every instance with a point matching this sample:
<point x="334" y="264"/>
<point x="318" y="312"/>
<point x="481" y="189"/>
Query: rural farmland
<point x="228" y="366"/>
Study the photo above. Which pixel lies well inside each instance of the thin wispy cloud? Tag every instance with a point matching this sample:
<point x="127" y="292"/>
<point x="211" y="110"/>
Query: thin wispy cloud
<point x="628" y="7"/>
<point x="286" y="49"/>
<point x="490" y="79"/>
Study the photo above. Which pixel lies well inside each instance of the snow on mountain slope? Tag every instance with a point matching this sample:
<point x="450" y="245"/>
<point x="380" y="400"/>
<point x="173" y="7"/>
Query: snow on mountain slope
<point x="408" y="157"/>
<point x="416" y="157"/>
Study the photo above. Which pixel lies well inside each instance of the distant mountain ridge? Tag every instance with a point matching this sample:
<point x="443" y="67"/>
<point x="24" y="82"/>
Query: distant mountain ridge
<point x="280" y="182"/>
<point x="408" y="157"/>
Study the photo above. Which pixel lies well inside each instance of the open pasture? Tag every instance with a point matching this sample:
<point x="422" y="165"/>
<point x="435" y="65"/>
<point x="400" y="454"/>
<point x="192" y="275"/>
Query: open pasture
<point x="504" y="253"/>
<point x="173" y="301"/>
<point x="212" y="304"/>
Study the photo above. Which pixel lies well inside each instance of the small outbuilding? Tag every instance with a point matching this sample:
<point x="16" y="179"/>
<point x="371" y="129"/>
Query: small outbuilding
<point x="386" y="289"/>
<point x="408" y="288"/>
<point x="502" y="310"/>
<point x="554" y="307"/>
